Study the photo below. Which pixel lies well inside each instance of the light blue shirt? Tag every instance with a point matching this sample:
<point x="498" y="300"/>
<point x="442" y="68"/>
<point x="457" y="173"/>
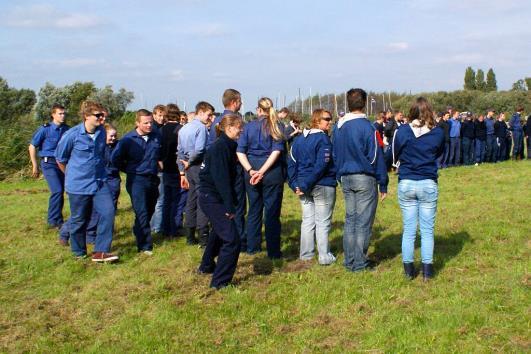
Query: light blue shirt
<point x="84" y="158"/>
<point x="191" y="145"/>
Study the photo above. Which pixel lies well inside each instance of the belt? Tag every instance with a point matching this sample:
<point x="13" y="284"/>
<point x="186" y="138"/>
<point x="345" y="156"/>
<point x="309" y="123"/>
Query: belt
<point x="48" y="159"/>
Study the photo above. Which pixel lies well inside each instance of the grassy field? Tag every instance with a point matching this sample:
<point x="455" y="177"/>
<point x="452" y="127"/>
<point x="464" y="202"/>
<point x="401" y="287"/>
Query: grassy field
<point x="478" y="302"/>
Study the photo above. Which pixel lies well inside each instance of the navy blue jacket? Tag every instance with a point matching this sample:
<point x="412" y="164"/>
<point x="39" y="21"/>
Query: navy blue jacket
<point x="310" y="161"/>
<point x="500" y="129"/>
<point x="417" y="156"/>
<point x="480" y="130"/>
<point x="356" y="150"/>
<point x="218" y="172"/>
<point x="134" y="155"/>
<point x="467" y="129"/>
<point x="515" y="123"/>
<point x="112" y="170"/>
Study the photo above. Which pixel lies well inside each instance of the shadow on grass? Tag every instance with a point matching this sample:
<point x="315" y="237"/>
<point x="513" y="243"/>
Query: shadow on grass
<point x="446" y="247"/>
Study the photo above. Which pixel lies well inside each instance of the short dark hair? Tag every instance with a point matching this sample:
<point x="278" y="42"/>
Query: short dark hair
<point x="142" y="113"/>
<point x="519" y="108"/>
<point x="284" y="110"/>
<point x="356" y="99"/>
<point x="172" y="112"/>
<point x="55" y="107"/>
<point x="203" y="107"/>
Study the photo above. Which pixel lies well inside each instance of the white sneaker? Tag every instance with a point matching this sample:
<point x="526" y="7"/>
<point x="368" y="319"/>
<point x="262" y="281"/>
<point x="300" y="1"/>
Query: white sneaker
<point x="477" y="164"/>
<point x="148" y="253"/>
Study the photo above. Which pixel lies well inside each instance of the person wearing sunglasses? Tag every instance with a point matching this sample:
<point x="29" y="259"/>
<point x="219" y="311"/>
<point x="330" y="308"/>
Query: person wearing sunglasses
<point x="312" y="177"/>
<point x="80" y="155"/>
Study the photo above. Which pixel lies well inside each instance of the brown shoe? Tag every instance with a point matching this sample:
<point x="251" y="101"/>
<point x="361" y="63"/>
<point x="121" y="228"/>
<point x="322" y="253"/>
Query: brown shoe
<point x="63" y="242"/>
<point x="102" y="257"/>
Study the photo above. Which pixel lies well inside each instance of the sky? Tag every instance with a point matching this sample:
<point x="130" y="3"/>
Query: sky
<point x="185" y="51"/>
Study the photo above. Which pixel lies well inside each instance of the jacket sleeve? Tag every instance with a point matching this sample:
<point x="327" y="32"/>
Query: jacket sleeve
<point x="379" y="163"/>
<point x="292" y="170"/>
<point x="64" y="148"/>
<point x="118" y="158"/>
<point x="220" y="163"/>
<point x="322" y="160"/>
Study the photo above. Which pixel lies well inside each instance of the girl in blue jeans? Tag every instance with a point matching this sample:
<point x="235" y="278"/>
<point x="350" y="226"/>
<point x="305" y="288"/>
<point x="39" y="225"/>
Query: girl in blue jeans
<point x="416" y="147"/>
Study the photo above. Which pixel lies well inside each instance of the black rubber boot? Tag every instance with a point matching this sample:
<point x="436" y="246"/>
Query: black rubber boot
<point x="409" y="270"/>
<point x="203" y="237"/>
<point x="190" y="236"/>
<point x="427" y="271"/>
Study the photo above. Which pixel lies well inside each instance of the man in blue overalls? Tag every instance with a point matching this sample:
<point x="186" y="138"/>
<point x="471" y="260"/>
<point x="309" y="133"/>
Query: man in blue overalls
<point x="138" y="154"/>
<point x="45" y="141"/>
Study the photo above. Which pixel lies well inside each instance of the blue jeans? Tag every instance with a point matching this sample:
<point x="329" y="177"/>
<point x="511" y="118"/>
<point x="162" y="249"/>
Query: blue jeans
<point x="173" y="202"/>
<point x="56" y="183"/>
<point x="361" y="200"/>
<point x="156" y="220"/>
<point x="455" y="151"/>
<point x="418" y="202"/>
<point x="480" y="151"/>
<point x="80" y="209"/>
<point x="223" y="242"/>
<point x="144" y="191"/>
<point x="518" y="142"/>
<point x="317" y="208"/>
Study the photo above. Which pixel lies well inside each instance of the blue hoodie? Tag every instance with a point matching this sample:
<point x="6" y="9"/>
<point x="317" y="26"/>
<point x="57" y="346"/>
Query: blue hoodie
<point x="356" y="150"/>
<point x="310" y="161"/>
<point x="417" y="150"/>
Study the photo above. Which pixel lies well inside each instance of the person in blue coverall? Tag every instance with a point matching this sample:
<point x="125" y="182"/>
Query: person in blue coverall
<point x="44" y="143"/>
<point x="138" y="155"/>
<point x="260" y="147"/>
<point x="80" y="155"/>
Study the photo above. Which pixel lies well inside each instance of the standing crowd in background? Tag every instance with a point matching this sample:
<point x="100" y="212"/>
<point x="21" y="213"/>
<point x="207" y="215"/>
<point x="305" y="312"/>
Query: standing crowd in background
<point x="219" y="181"/>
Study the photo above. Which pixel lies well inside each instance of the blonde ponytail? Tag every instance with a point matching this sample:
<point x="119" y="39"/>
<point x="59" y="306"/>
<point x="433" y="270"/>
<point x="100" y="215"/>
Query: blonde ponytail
<point x="272" y="127"/>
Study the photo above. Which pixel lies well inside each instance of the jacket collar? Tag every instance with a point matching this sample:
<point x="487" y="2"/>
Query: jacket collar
<point x="350" y="116"/>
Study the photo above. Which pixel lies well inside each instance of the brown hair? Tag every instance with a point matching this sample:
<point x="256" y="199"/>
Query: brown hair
<point x="56" y="107"/>
<point x="160" y="108"/>
<point x="173" y="112"/>
<point x="317" y="115"/>
<point x="228" y="120"/>
<point x="284" y="110"/>
<point x="272" y="127"/>
<point x="203" y="107"/>
<point x="356" y="99"/>
<point x="109" y="126"/>
<point x="519" y="108"/>
<point x="294" y="117"/>
<point x="142" y="113"/>
<point x="229" y="96"/>
<point x="422" y="111"/>
<point x="88" y="107"/>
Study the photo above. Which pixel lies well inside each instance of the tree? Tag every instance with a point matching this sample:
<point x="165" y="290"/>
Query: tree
<point x="491" y="81"/>
<point x="480" y="80"/>
<point x="116" y="103"/>
<point x="528" y="83"/>
<point x="13" y="102"/>
<point x="470" y="79"/>
<point x="519" y="86"/>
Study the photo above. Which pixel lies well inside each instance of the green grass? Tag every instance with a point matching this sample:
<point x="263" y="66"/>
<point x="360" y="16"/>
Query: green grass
<point x="478" y="302"/>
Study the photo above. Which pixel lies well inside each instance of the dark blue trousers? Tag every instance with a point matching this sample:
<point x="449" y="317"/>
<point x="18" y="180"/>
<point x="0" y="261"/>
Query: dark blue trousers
<point x="56" y="183"/>
<point x="468" y="150"/>
<point x="454" y="158"/>
<point x="443" y="159"/>
<point x="518" y="142"/>
<point x="114" y="188"/>
<point x="264" y="201"/>
<point x="241" y="206"/>
<point x="492" y="149"/>
<point x="173" y="202"/>
<point x="144" y="191"/>
<point x="80" y="210"/>
<point x="480" y="150"/>
<point x="501" y="151"/>
<point x="223" y="243"/>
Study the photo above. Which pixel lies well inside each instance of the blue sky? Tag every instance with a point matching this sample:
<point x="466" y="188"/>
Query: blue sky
<point x="189" y="50"/>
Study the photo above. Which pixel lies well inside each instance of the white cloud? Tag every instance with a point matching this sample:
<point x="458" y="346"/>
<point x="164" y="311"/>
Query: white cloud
<point x="72" y="62"/>
<point x="47" y="16"/>
<point x="398" y="46"/>
<point x="176" y="75"/>
<point x="209" y="30"/>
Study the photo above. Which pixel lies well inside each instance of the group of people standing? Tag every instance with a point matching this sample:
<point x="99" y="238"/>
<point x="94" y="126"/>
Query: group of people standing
<point x="212" y="165"/>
